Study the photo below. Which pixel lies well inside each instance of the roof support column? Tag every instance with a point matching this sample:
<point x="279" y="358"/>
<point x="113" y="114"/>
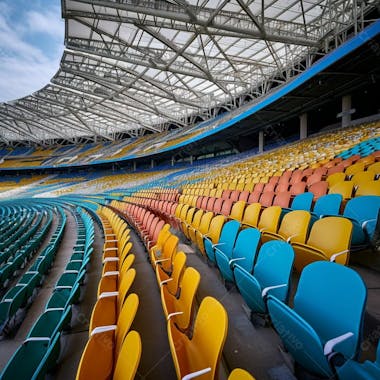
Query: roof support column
<point x="303" y="126"/>
<point x="347" y="111"/>
<point x="261" y="141"/>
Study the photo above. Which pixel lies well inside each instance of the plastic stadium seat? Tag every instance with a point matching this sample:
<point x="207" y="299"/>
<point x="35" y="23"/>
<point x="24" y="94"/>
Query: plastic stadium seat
<point x="251" y="215"/>
<point x="329" y="239"/>
<point x="109" y="304"/>
<point x="335" y="178"/>
<point x="270" y="275"/>
<point x="129" y="357"/>
<point x="374" y="168"/>
<point x="336" y="169"/>
<point x="203" y="229"/>
<point x="302" y="201"/>
<point x="362" y="211"/>
<point x="213" y="233"/>
<point x="266" y="199"/>
<point x="269" y="219"/>
<point x="345" y="188"/>
<point x="164" y="257"/>
<point x="368" y="370"/>
<point x="355" y="168"/>
<point x="226" y="208"/>
<point x="318" y="326"/>
<point x="237" y="211"/>
<point x="225" y="242"/>
<point x="244" y="195"/>
<point x="328" y="205"/>
<point x="314" y="178"/>
<point x="242" y="254"/>
<point x="319" y="189"/>
<point x="171" y="281"/>
<point x="185" y="224"/>
<point x="100" y="362"/>
<point x="191" y="230"/>
<point x="181" y="308"/>
<point x="360" y="177"/>
<point x="254" y="196"/>
<point x="33" y="359"/>
<point x="297" y="188"/>
<point x="201" y="354"/>
<point x="368" y="188"/>
<point x="293" y="228"/>
<point x="218" y="205"/>
<point x="282" y="199"/>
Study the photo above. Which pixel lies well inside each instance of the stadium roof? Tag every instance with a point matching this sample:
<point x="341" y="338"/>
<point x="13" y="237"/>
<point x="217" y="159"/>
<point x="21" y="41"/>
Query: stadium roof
<point x="132" y="66"/>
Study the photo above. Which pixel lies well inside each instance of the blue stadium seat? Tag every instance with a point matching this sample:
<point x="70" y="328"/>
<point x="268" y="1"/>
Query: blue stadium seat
<point x="362" y="211"/>
<point x="226" y="241"/>
<point x="318" y="326"/>
<point x="243" y="254"/>
<point x="271" y="276"/>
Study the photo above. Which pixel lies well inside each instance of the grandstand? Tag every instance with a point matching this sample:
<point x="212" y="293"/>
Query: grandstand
<point x="196" y="194"/>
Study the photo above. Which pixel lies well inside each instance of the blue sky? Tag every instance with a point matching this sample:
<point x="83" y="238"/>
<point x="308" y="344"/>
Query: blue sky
<point x="31" y="45"/>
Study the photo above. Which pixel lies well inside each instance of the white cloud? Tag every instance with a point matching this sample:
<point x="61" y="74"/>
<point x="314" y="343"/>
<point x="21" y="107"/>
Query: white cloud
<point x="45" y="22"/>
<point x="24" y="67"/>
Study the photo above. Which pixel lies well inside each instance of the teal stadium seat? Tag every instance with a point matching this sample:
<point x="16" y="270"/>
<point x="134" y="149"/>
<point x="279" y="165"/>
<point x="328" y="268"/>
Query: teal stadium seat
<point x="270" y="276"/>
<point x="243" y="254"/>
<point x="327" y="316"/>
<point x="226" y="241"/>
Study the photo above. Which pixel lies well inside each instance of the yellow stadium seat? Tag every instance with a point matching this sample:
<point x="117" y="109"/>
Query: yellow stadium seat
<point x="201" y="354"/>
<point x="329" y="240"/>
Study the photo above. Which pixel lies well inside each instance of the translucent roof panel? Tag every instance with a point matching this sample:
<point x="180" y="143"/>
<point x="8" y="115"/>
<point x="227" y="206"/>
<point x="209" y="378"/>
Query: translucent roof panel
<point x="133" y="66"/>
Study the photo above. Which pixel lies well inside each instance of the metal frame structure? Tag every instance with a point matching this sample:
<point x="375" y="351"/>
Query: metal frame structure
<point x="138" y="66"/>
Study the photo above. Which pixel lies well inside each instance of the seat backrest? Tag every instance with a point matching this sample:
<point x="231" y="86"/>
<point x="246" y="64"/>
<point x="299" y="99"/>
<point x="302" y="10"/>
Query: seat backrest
<point x="328" y="204"/>
<point x="179" y="264"/>
<point x="362" y="208"/>
<point x="360" y="177"/>
<point x="129" y="357"/>
<point x="282" y="199"/>
<point x="190" y="215"/>
<point x="297" y="188"/>
<point x="163" y="235"/>
<point x="302" y="201"/>
<point x="218" y="205"/>
<point x="327" y="293"/>
<point x="345" y="188"/>
<point x="368" y="188"/>
<point x="124" y="286"/>
<point x="205" y="222"/>
<point x="126" y="316"/>
<point x="251" y="214"/>
<point x="168" y="251"/>
<point x="334" y="178"/>
<point x="331" y="235"/>
<point x="185" y="302"/>
<point x="246" y="246"/>
<point x="319" y="189"/>
<point x="295" y="226"/>
<point x="197" y="218"/>
<point x="210" y="331"/>
<point x="226" y="208"/>
<point x="228" y="237"/>
<point x="244" y="195"/>
<point x="274" y="267"/>
<point x="355" y="168"/>
<point x="375" y="168"/>
<point x="215" y="229"/>
<point x="237" y="210"/>
<point x="266" y="198"/>
<point x="159" y="227"/>
<point x="269" y="219"/>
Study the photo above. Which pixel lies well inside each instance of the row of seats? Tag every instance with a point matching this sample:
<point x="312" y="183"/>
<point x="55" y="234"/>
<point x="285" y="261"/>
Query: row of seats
<point x="40" y="351"/>
<point x="22" y="245"/>
<point x="196" y="342"/>
<point x="112" y="350"/>
<point x="16" y="300"/>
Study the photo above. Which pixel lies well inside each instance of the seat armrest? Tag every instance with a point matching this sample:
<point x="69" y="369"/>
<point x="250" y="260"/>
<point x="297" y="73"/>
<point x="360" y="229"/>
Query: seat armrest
<point x="171" y="315"/>
<point x="102" y="329"/>
<point x="196" y="374"/>
<point x="265" y="291"/>
<point x="330" y="344"/>
<point x="335" y="255"/>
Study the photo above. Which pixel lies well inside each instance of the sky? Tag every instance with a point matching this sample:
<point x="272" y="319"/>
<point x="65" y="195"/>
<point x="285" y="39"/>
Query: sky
<point x="31" y="45"/>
